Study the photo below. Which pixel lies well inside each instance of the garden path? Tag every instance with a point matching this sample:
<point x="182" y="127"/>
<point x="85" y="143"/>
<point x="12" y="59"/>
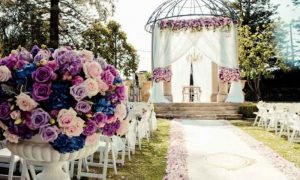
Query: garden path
<point x="215" y="151"/>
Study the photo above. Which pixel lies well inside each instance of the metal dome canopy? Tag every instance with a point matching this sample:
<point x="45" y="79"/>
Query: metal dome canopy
<point x="179" y="9"/>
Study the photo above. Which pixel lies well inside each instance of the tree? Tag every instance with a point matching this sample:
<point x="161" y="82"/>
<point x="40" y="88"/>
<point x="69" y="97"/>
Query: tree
<point x="53" y="22"/>
<point x="254" y="13"/>
<point x="258" y="57"/>
<point x="110" y="42"/>
<point x="21" y="24"/>
<point x="296" y="2"/>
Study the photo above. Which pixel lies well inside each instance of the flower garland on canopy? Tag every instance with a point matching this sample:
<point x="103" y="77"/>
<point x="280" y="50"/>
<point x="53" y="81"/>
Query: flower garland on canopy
<point x="227" y="75"/>
<point x="64" y="96"/>
<point x="162" y="74"/>
<point x="196" y="24"/>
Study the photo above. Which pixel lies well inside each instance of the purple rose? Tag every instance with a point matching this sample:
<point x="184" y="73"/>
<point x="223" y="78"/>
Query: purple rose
<point x="83" y="107"/>
<point x="111" y="129"/>
<point x="39" y="118"/>
<point x="9" y="61"/>
<point x="24" y="55"/>
<point x="90" y="128"/>
<point x="49" y="133"/>
<point x="78" y="92"/>
<point x="43" y="74"/>
<point x="107" y="77"/>
<point x="53" y="65"/>
<point x="99" y="118"/>
<point x="41" y="92"/>
<point x="42" y="54"/>
<point x="75" y="66"/>
<point x="77" y="80"/>
<point x="113" y="70"/>
<point x="120" y="91"/>
<point x="54" y="113"/>
<point x="4" y="111"/>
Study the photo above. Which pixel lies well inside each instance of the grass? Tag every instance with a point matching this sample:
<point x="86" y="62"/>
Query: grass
<point x="290" y="152"/>
<point x="150" y="162"/>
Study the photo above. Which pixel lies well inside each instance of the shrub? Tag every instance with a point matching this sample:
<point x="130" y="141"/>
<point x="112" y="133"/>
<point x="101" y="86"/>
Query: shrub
<point x="247" y="110"/>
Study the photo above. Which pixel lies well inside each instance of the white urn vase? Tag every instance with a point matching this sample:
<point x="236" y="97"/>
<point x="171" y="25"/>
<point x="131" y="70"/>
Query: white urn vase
<point x="38" y="152"/>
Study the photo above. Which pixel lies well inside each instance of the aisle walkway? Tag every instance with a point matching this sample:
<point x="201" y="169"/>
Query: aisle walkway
<point x="216" y="152"/>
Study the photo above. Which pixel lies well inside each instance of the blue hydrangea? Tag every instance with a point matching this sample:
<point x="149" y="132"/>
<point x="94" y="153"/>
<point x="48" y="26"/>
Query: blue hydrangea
<point x="64" y="144"/>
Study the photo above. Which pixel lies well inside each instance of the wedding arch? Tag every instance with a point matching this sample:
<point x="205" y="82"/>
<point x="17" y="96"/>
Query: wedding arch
<point x="208" y="26"/>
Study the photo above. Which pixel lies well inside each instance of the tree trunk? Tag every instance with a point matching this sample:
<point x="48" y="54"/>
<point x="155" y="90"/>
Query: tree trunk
<point x="54" y="24"/>
<point x="257" y="89"/>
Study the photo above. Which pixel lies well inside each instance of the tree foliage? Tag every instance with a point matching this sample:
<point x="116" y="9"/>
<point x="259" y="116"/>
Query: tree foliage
<point x="28" y="22"/>
<point x="258" y="57"/>
<point x="110" y="42"/>
<point x="255" y="13"/>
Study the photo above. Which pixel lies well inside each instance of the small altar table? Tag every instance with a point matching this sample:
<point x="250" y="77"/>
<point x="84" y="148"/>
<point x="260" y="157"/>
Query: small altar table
<point x="191" y="94"/>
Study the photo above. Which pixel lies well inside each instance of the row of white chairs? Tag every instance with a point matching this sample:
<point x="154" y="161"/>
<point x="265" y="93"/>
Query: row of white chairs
<point x="111" y="151"/>
<point x="283" y="118"/>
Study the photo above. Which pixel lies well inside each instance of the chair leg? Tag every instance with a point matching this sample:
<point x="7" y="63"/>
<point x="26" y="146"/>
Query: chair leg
<point x="79" y="168"/>
<point x="11" y="167"/>
<point x="293" y="135"/>
<point x="114" y="160"/>
<point x="72" y="169"/>
<point x="32" y="171"/>
<point x="105" y="161"/>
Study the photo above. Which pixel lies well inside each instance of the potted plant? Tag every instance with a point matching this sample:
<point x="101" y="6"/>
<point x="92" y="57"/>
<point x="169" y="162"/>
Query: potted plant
<point x="55" y="105"/>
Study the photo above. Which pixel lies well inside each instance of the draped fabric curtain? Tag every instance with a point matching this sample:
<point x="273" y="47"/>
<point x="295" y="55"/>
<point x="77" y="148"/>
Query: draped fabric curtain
<point x="218" y="46"/>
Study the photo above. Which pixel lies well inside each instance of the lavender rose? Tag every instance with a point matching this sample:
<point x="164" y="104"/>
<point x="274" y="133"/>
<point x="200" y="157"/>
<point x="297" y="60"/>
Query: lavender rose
<point x="120" y="91"/>
<point x="43" y="75"/>
<point x="41" y="91"/>
<point x="4" y="111"/>
<point x="49" y="133"/>
<point x="39" y="118"/>
<point x="78" y="92"/>
<point x="107" y="77"/>
<point x="113" y="70"/>
<point x="83" y="107"/>
<point x="90" y="128"/>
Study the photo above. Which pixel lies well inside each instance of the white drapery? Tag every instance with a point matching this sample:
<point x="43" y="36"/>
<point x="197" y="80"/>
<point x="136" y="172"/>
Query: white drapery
<point x="218" y="46"/>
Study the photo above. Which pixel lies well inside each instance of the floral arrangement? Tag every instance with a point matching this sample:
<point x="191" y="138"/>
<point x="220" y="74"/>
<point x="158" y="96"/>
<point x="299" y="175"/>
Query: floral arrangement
<point x="228" y="75"/>
<point x="195" y="24"/>
<point x="65" y="97"/>
<point x="162" y="74"/>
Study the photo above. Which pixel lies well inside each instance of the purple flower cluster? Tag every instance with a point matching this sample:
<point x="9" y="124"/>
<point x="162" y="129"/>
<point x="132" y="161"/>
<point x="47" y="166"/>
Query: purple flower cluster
<point x="66" y="97"/>
<point x="162" y="74"/>
<point x="195" y="24"/>
<point x="228" y="74"/>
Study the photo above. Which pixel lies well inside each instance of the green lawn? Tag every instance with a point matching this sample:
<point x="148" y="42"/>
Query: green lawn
<point x="150" y="162"/>
<point x="290" y="152"/>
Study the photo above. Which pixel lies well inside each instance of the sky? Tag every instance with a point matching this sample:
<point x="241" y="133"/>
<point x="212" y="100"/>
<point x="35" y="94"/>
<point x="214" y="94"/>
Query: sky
<point x="133" y="15"/>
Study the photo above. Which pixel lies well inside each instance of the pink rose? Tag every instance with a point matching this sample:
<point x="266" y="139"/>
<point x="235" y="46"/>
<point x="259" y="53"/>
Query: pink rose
<point x="91" y="87"/>
<point x="123" y="128"/>
<point x="25" y="103"/>
<point x="120" y="111"/>
<point x="66" y="118"/>
<point x="5" y="74"/>
<point x="77" y="80"/>
<point x="94" y="138"/>
<point x="103" y="87"/>
<point x="15" y="114"/>
<point x="111" y="119"/>
<point x="92" y="69"/>
<point x="76" y="129"/>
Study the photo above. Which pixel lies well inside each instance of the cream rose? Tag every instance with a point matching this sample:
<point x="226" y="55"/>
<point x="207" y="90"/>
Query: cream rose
<point x="25" y="102"/>
<point x="91" y="87"/>
<point x="88" y="55"/>
<point x="11" y="137"/>
<point x="5" y="74"/>
<point x="76" y="129"/>
<point x="66" y="118"/>
<point x="92" y="69"/>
